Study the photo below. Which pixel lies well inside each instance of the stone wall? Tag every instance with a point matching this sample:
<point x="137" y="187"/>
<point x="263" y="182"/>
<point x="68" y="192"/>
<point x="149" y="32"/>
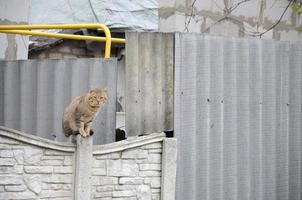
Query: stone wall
<point x="32" y="169"/>
<point x="140" y="168"/>
<point x="130" y="174"/>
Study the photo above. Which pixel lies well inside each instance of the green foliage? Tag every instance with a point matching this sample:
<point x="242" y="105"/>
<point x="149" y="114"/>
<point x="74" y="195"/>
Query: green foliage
<point x="297" y="8"/>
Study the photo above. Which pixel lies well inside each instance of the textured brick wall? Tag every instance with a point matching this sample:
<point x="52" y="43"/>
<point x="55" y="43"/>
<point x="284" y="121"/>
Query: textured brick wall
<point x="33" y="168"/>
<point x="132" y="174"/>
<point x="69" y="49"/>
<point x="32" y="172"/>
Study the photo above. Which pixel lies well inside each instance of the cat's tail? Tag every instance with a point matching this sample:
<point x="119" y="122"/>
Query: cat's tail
<point x="67" y="134"/>
<point x="67" y="131"/>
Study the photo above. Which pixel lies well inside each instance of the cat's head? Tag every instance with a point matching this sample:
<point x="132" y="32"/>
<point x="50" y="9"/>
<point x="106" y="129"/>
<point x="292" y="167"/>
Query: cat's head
<point x="97" y="97"/>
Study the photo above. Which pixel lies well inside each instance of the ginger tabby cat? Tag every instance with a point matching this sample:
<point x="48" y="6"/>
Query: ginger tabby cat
<point x="81" y="111"/>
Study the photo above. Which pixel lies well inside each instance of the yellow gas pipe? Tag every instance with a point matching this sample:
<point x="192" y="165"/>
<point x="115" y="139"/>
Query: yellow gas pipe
<point x="25" y="30"/>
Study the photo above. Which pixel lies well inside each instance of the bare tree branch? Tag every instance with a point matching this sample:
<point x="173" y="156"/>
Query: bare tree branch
<point x="233" y="7"/>
<point x="190" y="17"/>
<point x="279" y="20"/>
<point x="229" y="11"/>
<point x="260" y="34"/>
<point x="215" y="2"/>
<point x="226" y="16"/>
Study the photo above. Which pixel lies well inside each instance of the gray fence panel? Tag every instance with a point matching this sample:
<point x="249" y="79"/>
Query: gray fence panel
<point x="238" y="118"/>
<point x="149" y="82"/>
<point x="34" y="94"/>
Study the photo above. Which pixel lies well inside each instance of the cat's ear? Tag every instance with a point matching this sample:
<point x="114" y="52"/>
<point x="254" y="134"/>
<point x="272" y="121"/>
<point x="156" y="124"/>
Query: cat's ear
<point x="91" y="91"/>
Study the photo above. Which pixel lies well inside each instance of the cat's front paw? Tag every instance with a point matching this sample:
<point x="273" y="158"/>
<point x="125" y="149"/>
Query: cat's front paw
<point x="76" y="133"/>
<point x="83" y="134"/>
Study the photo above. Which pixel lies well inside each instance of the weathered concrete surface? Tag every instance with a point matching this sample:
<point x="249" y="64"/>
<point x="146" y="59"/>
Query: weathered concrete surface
<point x="149" y="82"/>
<point x="228" y="18"/>
<point x="83" y="167"/>
<point x="168" y="178"/>
<point x="14" y="47"/>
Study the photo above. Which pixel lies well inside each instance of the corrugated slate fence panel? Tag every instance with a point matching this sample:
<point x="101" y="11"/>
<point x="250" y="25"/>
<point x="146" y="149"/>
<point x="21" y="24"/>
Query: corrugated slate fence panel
<point x="34" y="94"/>
<point x="294" y="126"/>
<point x="238" y="118"/>
<point x="149" y="82"/>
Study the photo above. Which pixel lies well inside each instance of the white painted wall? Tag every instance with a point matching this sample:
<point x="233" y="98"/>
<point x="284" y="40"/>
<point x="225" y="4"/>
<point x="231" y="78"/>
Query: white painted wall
<point x="13" y="47"/>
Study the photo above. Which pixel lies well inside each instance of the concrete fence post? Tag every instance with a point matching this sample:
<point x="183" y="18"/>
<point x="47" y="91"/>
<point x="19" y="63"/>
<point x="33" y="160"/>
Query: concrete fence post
<point x="168" y="179"/>
<point x="83" y="167"/>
